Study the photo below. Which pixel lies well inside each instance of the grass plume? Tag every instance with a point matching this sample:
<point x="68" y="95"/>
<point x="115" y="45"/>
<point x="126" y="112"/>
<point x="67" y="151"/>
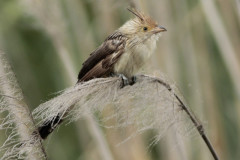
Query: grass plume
<point x="149" y="104"/>
<point x="17" y="120"/>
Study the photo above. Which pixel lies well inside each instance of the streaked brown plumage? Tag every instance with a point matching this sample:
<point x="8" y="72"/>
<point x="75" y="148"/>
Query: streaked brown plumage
<point x="100" y="62"/>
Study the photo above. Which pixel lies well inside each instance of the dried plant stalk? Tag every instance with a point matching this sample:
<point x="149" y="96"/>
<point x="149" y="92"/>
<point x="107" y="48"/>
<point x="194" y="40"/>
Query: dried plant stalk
<point x="21" y="143"/>
<point x="223" y="40"/>
<point x="150" y="103"/>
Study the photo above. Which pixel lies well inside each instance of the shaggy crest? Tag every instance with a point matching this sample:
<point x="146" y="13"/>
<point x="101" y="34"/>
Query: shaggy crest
<point x="144" y="19"/>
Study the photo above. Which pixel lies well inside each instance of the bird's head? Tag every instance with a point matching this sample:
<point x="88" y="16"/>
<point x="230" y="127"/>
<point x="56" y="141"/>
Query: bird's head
<point x="141" y="27"/>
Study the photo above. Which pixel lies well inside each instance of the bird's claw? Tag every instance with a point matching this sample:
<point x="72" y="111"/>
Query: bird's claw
<point x="133" y="80"/>
<point x="125" y="81"/>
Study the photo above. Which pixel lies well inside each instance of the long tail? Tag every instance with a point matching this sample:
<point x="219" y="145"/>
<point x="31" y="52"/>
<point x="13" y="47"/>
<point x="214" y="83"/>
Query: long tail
<point x="49" y="126"/>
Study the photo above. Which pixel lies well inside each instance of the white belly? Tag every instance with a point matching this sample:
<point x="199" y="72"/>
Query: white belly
<point x="132" y="61"/>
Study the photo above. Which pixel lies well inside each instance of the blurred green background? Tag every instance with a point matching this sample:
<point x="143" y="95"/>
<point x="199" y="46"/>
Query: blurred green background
<point x="46" y="42"/>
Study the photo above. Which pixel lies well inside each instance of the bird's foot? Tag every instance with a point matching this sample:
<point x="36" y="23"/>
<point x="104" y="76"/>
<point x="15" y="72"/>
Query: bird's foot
<point x="133" y="80"/>
<point x="125" y="80"/>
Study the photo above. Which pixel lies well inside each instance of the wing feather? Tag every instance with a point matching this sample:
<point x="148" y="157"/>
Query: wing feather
<point x="101" y="60"/>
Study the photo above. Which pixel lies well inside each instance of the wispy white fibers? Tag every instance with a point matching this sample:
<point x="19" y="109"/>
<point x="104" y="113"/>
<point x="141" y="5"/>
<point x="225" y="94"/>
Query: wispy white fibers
<point x="145" y="105"/>
<point x="149" y="104"/>
<point x="16" y="119"/>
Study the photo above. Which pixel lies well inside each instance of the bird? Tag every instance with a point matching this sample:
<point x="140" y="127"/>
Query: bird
<point x="125" y="51"/>
<point x="123" y="54"/>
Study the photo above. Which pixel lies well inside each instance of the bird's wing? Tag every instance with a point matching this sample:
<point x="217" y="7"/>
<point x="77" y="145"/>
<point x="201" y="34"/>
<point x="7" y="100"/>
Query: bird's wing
<point x="101" y="60"/>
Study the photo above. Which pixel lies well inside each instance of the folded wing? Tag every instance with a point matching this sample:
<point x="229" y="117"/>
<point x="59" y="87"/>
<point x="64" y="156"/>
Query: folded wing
<point x="100" y="63"/>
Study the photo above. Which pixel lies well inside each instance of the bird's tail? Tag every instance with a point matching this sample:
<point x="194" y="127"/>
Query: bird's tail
<point x="49" y="126"/>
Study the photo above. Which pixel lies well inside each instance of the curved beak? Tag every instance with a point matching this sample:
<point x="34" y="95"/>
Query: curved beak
<point x="159" y="29"/>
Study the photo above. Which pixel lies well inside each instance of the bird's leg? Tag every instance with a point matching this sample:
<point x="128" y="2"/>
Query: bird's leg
<point x="125" y="80"/>
<point x="133" y="80"/>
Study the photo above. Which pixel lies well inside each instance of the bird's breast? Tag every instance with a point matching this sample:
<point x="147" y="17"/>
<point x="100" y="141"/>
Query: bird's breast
<point x="134" y="58"/>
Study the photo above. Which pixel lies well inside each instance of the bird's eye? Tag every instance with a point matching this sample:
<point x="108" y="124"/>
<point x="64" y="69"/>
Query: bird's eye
<point x="145" y="28"/>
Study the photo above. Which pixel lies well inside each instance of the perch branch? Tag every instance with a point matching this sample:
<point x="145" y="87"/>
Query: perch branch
<point x="196" y="123"/>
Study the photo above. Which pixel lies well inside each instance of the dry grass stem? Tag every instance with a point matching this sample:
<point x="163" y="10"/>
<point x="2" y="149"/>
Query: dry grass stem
<point x="21" y="143"/>
<point x="223" y="40"/>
